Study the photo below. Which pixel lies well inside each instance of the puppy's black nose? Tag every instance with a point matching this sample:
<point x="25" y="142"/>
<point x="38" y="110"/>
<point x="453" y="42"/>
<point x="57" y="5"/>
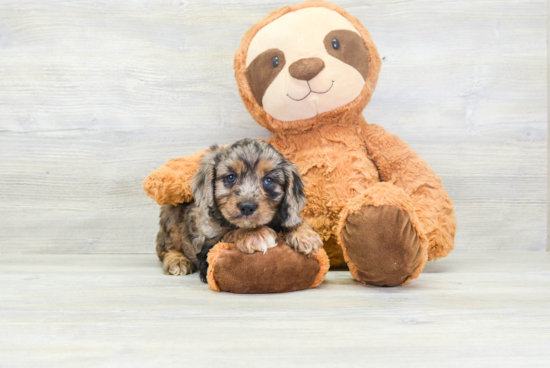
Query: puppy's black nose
<point x="247" y="208"/>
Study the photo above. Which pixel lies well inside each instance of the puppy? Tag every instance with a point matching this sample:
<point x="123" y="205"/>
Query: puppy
<point x="244" y="194"/>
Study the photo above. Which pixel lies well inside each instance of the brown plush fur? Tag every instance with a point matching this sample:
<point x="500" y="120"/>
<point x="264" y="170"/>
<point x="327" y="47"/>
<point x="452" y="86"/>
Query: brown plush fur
<point x="171" y="183"/>
<point x="324" y="265"/>
<point x="345" y="162"/>
<point x="213" y="256"/>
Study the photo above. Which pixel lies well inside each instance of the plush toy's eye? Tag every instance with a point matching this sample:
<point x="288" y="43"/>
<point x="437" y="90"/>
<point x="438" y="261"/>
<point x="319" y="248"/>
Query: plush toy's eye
<point x="230" y="179"/>
<point x="275" y="61"/>
<point x="268" y="182"/>
<point x="335" y="44"/>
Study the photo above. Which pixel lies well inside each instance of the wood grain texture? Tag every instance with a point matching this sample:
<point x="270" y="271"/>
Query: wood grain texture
<point x="94" y="95"/>
<point x="467" y="310"/>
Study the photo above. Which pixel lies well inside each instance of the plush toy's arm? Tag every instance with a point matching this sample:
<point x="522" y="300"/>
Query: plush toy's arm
<point x="171" y="183"/>
<point x="401" y="166"/>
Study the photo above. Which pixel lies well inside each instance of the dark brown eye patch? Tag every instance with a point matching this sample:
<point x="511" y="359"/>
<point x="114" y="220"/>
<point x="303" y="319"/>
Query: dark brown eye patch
<point x="348" y="47"/>
<point x="263" y="70"/>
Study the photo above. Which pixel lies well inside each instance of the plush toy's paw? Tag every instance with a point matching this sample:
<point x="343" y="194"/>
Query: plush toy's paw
<point x="175" y="263"/>
<point x="171" y="183"/>
<point x="304" y="240"/>
<point x="252" y="240"/>
<point x="382" y="246"/>
<point x="279" y="270"/>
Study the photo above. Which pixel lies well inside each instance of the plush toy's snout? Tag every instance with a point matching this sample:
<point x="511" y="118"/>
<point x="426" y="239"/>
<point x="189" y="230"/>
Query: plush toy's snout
<point x="306" y="69"/>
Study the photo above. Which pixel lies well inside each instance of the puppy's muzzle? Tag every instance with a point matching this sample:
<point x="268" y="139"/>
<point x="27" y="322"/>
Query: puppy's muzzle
<point x="247" y="208"/>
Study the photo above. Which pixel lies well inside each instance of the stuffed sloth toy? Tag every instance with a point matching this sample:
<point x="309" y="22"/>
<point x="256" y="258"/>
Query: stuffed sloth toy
<point x="305" y="73"/>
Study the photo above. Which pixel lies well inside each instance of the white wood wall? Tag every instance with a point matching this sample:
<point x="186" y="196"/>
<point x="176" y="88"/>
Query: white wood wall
<point x="548" y="128"/>
<point x="94" y="95"/>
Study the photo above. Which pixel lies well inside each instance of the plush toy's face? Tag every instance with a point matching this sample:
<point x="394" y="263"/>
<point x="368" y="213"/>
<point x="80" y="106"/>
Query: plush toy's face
<point x="305" y="63"/>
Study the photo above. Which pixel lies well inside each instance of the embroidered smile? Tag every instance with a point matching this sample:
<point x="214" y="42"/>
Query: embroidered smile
<point x="310" y="92"/>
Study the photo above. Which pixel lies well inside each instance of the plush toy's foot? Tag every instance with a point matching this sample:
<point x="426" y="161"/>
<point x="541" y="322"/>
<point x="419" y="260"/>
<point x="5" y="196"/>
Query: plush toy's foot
<point x="382" y="245"/>
<point x="280" y="269"/>
<point x="382" y="239"/>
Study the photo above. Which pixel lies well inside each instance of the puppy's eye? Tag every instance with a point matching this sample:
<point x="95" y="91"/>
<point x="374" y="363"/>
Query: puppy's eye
<point x="268" y="182"/>
<point x="275" y="61"/>
<point x="335" y="44"/>
<point x="230" y="179"/>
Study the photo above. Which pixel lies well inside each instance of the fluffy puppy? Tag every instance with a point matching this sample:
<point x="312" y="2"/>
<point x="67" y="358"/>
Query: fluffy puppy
<point x="244" y="193"/>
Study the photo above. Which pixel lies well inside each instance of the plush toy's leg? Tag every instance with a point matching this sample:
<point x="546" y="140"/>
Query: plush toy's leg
<point x="383" y="241"/>
<point x="281" y="269"/>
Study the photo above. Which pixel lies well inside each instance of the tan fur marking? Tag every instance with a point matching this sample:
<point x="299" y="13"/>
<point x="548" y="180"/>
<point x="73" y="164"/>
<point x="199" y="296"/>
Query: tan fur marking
<point x="264" y="166"/>
<point x="237" y="166"/>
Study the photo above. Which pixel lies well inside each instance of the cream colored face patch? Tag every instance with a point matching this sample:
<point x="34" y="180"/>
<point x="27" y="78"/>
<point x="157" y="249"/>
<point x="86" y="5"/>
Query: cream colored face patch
<point x="306" y="63"/>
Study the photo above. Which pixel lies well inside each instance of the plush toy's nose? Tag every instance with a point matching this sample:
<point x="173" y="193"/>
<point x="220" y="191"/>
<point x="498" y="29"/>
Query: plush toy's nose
<point x="306" y="69"/>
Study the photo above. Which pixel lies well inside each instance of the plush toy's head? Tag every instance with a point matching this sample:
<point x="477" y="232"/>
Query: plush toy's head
<point x="306" y="65"/>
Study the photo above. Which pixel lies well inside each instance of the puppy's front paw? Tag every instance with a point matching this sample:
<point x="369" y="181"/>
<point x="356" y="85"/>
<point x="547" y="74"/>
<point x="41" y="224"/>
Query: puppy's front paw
<point x="257" y="240"/>
<point x="175" y="263"/>
<point x="304" y="240"/>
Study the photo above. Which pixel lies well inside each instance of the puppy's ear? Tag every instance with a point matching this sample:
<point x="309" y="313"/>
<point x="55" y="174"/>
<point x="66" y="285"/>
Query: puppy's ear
<point x="294" y="199"/>
<point x="202" y="184"/>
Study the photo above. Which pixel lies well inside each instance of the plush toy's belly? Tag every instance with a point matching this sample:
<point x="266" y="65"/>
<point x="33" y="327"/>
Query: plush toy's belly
<point x="334" y="174"/>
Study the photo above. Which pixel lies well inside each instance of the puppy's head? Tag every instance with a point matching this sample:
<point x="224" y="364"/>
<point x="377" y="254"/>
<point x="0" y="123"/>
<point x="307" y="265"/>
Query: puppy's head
<point x="249" y="184"/>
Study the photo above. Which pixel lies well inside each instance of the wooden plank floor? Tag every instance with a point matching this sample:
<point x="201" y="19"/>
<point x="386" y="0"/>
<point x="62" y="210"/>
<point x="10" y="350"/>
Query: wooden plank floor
<point x="470" y="310"/>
